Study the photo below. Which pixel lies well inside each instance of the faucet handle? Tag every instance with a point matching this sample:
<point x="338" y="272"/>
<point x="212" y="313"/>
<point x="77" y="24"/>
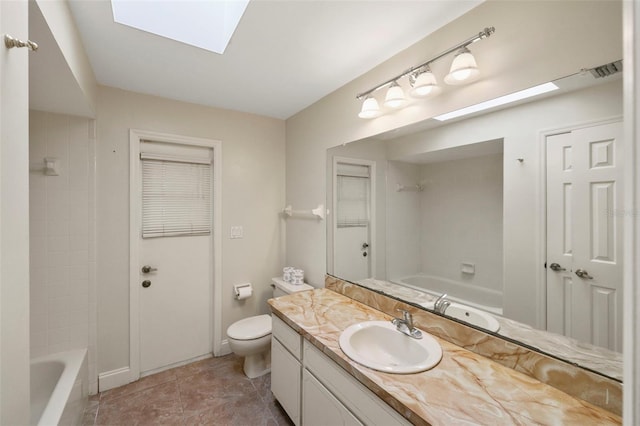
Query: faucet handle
<point x="406" y="317"/>
<point x="407" y="322"/>
<point x="405" y="313"/>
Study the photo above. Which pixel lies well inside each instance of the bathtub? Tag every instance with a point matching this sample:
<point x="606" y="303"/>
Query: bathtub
<point x="467" y="294"/>
<point x="59" y="388"/>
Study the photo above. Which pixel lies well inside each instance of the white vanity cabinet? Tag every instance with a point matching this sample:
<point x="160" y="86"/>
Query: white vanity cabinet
<point x="286" y="368"/>
<point x="315" y="391"/>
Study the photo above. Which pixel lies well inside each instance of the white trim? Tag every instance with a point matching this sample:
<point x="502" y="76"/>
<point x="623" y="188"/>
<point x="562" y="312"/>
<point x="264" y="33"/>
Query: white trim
<point x="541" y="277"/>
<point x="373" y="246"/>
<point x="631" y="274"/>
<point x="217" y="250"/>
<point x="114" y="378"/>
<point x="135" y="137"/>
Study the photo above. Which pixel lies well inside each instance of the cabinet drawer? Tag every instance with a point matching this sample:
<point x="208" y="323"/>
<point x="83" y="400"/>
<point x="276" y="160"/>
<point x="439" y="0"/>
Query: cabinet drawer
<point x="289" y="338"/>
<point x="363" y="403"/>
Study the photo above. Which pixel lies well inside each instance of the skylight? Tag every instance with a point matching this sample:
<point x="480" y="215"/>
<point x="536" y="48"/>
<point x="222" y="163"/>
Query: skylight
<point x="502" y="100"/>
<point x="205" y="24"/>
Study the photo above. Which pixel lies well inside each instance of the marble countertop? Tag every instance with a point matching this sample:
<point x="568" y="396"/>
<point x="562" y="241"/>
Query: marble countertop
<point x="604" y="361"/>
<point x="464" y="388"/>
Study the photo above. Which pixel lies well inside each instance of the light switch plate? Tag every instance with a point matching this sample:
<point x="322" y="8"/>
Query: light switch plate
<point x="237" y="232"/>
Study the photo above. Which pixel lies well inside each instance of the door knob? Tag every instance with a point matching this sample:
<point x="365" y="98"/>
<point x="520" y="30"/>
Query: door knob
<point x="365" y="245"/>
<point x="146" y="269"/>
<point x="583" y="274"/>
<point x="146" y="283"/>
<point x="556" y="267"/>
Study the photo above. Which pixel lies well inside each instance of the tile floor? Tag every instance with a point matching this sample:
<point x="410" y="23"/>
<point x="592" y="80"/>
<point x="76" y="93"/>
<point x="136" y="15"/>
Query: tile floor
<point x="214" y="391"/>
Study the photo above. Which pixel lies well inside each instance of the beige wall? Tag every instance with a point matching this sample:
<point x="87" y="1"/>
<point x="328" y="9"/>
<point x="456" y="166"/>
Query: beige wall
<point x="253" y="173"/>
<point x="534" y="42"/>
<point x="14" y="220"/>
<point x="403" y="221"/>
<point x="62" y="27"/>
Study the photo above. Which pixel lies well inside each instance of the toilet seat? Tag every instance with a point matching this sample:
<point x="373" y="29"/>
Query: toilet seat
<point x="250" y="328"/>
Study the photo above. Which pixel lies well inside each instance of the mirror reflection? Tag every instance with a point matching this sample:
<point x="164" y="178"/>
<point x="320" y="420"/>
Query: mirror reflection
<point x="505" y="219"/>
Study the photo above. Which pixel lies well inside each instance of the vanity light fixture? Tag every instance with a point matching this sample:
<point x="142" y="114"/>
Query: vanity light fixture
<point x="423" y="83"/>
<point x="502" y="100"/>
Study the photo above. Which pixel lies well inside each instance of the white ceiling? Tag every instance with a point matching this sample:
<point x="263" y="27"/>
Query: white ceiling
<point x="283" y="57"/>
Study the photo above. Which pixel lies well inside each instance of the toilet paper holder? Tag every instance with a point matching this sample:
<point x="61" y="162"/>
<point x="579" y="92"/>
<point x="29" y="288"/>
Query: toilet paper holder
<point x="242" y="291"/>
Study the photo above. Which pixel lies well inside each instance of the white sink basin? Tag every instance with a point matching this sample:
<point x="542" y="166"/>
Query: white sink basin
<point x="473" y="316"/>
<point x="378" y="345"/>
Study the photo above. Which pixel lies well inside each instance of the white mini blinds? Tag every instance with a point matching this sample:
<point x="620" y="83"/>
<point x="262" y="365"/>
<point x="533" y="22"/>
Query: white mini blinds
<point x="176" y="193"/>
<point x="352" y="195"/>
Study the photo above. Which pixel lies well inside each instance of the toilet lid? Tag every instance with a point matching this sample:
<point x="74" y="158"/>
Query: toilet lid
<point x="250" y="328"/>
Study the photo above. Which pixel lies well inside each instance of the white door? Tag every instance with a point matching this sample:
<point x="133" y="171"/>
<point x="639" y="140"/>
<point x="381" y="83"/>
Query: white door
<point x="175" y="255"/>
<point x="584" y="235"/>
<point x="352" y="230"/>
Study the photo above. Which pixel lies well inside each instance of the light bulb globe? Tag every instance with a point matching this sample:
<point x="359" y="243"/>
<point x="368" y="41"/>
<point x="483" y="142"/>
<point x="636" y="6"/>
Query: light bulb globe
<point x="424" y="85"/>
<point x="370" y="109"/>
<point x="464" y="69"/>
<point x="395" y="97"/>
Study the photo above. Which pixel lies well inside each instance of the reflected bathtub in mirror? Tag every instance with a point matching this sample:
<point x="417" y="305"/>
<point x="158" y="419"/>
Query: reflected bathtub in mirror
<point x="466" y="294"/>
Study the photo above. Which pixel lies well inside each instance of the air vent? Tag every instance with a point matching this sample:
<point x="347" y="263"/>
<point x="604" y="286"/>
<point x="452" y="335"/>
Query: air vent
<point x="607" y="69"/>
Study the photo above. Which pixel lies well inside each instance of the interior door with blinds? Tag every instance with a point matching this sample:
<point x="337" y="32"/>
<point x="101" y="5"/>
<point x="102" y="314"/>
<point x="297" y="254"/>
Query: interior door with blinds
<point x="352" y="221"/>
<point x="175" y="253"/>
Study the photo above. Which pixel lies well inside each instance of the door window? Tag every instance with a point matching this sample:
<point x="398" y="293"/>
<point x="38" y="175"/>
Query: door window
<point x="176" y="197"/>
<point x="352" y="196"/>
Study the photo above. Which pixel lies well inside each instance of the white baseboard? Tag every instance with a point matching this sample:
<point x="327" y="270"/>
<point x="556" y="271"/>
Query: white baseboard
<point x="225" y="349"/>
<point x="174" y="365"/>
<point x="113" y="379"/>
<point x="122" y="376"/>
<point x="93" y="388"/>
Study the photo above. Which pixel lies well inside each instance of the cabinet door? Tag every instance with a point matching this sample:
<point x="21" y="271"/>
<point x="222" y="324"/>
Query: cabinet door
<point x="320" y="408"/>
<point x="285" y="380"/>
<point x="352" y="394"/>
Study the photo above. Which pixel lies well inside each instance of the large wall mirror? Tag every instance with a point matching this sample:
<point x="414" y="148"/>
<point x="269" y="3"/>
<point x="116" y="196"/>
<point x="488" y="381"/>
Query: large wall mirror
<point x="511" y="211"/>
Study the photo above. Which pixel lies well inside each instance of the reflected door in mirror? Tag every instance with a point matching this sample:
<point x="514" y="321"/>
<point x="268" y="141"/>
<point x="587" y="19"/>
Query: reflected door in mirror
<point x="352" y="224"/>
<point x="584" y="235"/>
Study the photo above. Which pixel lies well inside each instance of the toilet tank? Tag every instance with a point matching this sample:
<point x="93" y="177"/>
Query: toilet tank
<point x="282" y="288"/>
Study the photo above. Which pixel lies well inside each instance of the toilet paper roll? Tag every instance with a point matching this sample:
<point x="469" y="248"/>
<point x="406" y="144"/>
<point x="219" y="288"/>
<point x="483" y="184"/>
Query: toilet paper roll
<point x="286" y="273"/>
<point x="244" y="292"/>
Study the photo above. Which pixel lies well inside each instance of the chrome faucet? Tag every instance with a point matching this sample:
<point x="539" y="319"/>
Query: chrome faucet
<point x="405" y="325"/>
<point x="441" y="304"/>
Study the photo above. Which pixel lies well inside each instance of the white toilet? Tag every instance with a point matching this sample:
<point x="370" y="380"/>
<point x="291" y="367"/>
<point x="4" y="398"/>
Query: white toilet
<point x="251" y="337"/>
